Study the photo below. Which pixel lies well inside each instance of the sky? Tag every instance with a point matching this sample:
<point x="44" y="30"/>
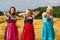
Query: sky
<point x="22" y="5"/>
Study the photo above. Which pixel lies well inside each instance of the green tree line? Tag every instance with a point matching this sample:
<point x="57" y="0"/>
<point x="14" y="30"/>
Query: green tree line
<point x="56" y="12"/>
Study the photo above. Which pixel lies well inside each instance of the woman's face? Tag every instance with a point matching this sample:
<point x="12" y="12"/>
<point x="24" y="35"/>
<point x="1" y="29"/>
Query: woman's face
<point x="12" y="10"/>
<point x="28" y="12"/>
<point x="49" y="11"/>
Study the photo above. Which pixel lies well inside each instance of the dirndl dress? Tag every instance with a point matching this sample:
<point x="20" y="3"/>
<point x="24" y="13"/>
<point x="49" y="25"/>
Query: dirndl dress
<point x="11" y="30"/>
<point x="28" y="30"/>
<point x="48" y="30"/>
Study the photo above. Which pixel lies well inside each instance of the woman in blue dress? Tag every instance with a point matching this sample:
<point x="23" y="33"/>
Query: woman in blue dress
<point x="48" y="30"/>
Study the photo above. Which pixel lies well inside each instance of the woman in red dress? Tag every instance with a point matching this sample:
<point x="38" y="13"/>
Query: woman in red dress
<point x="28" y="30"/>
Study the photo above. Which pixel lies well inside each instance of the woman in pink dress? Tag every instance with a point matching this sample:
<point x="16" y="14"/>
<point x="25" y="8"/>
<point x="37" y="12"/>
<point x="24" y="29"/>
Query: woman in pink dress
<point x="28" y="30"/>
<point x="11" y="30"/>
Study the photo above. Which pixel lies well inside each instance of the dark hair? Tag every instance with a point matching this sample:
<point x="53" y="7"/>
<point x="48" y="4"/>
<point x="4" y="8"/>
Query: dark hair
<point x="14" y="10"/>
<point x="31" y="11"/>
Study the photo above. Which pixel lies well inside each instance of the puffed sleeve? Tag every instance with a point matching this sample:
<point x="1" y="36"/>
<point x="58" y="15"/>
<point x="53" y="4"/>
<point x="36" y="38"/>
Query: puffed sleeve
<point x="33" y="16"/>
<point x="24" y="17"/>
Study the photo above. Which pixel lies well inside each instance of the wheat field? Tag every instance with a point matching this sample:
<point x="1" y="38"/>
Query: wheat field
<point x="38" y="23"/>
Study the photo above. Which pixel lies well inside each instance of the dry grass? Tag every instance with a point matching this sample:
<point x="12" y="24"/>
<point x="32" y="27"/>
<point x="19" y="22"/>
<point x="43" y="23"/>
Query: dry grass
<point x="37" y="28"/>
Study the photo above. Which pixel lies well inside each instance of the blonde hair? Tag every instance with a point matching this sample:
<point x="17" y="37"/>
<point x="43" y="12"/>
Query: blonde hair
<point x="50" y="7"/>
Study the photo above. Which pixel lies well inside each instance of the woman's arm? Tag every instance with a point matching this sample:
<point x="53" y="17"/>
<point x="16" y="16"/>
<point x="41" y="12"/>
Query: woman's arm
<point x="52" y="22"/>
<point x="44" y="14"/>
<point x="5" y="14"/>
<point x="21" y="16"/>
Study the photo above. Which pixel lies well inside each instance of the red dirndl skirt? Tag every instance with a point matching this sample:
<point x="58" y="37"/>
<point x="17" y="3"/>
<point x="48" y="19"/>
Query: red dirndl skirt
<point x="28" y="32"/>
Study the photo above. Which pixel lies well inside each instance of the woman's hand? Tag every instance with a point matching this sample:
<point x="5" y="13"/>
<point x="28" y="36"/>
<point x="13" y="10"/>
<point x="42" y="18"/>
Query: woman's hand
<point x="44" y="14"/>
<point x="35" y="14"/>
<point x="5" y="14"/>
